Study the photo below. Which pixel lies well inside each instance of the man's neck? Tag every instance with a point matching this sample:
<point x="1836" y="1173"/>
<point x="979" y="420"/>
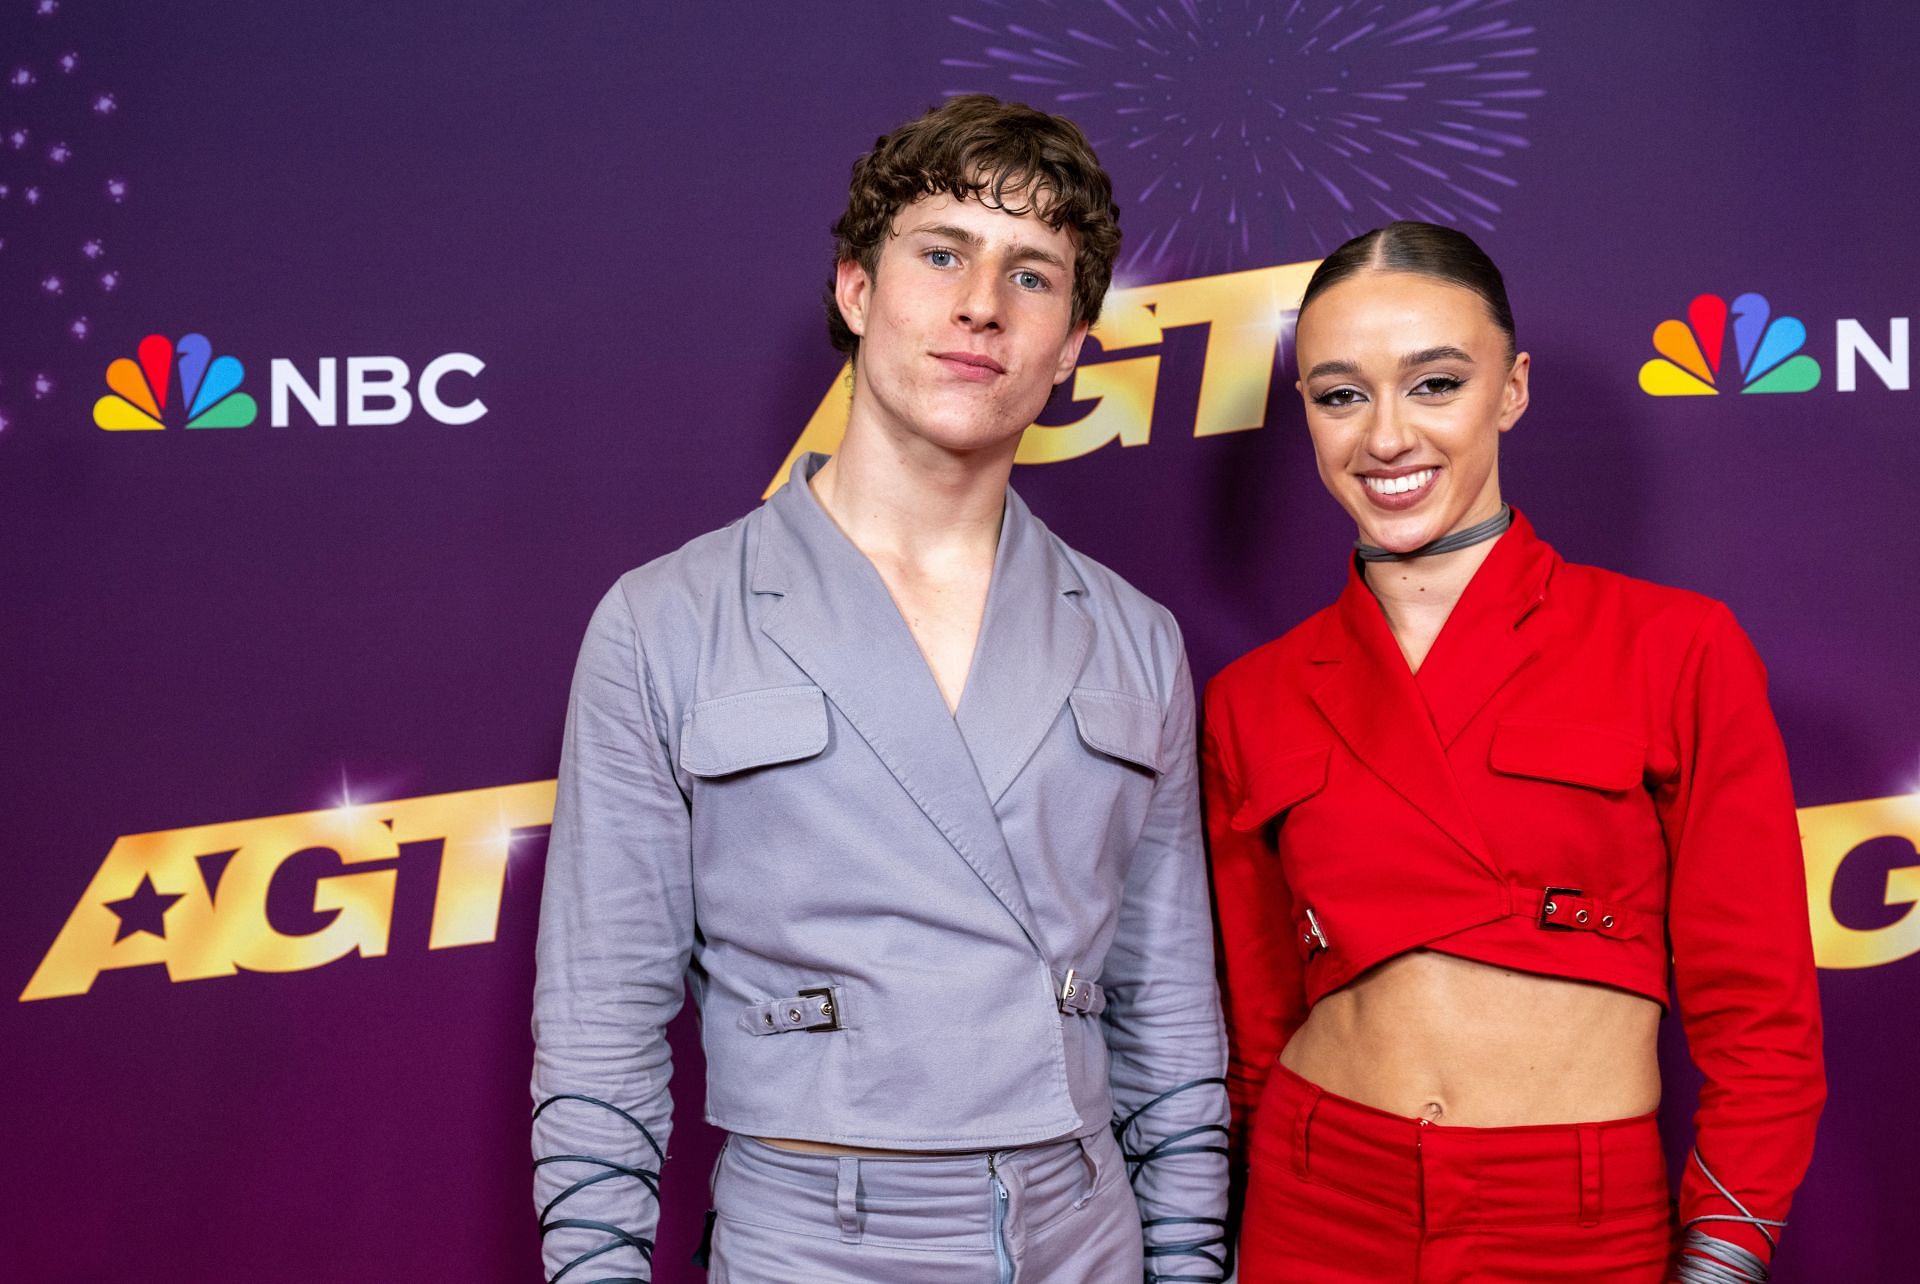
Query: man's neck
<point x="905" y="500"/>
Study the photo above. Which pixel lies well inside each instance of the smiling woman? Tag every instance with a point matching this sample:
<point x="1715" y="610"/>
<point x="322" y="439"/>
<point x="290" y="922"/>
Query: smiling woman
<point x="1458" y="818"/>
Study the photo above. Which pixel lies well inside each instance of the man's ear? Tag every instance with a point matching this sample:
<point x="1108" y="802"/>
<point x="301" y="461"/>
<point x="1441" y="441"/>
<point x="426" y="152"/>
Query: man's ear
<point x="852" y="290"/>
<point x="1070" y="352"/>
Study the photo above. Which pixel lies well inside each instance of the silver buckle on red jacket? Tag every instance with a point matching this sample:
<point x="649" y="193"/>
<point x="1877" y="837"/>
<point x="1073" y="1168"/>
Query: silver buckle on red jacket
<point x="1568" y="909"/>
<point x="1556" y="914"/>
<point x="1313" y="938"/>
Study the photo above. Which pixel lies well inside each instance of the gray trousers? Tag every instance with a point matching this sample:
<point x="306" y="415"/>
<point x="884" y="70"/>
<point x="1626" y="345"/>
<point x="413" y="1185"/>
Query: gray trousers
<point x="1060" y="1214"/>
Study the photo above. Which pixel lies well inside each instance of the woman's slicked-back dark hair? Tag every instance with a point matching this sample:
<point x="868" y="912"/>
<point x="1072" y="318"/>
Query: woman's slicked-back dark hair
<point x="1428" y="249"/>
<point x="1006" y="155"/>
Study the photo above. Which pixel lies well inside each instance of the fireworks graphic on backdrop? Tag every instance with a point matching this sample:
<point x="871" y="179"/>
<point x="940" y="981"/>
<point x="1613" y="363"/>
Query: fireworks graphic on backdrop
<point x="1247" y="132"/>
<point x="57" y="193"/>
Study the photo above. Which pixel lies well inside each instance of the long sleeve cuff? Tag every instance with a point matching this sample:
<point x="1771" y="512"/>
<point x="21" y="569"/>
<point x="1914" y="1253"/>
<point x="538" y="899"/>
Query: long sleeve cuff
<point x="1175" y="1147"/>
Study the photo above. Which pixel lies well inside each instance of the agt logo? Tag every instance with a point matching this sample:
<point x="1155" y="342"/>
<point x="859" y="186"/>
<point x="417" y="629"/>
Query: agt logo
<point x="1247" y="314"/>
<point x="375" y="390"/>
<point x="194" y="901"/>
<point x="1766" y="356"/>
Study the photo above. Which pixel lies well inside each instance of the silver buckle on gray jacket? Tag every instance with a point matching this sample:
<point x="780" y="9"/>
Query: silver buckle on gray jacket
<point x="829" y="1011"/>
<point x="815" y="1011"/>
<point x="1077" y="994"/>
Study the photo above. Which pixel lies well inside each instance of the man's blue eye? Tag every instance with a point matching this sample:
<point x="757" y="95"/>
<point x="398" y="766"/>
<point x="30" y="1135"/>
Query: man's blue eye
<point x="940" y="258"/>
<point x="1030" y="280"/>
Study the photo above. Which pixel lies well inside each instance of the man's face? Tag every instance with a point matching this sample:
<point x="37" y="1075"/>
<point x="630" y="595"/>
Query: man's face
<point x="966" y="326"/>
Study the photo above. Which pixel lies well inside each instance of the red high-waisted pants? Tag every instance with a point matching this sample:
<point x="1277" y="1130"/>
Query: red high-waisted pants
<point x="1341" y="1193"/>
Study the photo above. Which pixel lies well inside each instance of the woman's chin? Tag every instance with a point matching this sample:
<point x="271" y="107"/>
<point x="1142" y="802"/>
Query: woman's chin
<point x="1399" y="536"/>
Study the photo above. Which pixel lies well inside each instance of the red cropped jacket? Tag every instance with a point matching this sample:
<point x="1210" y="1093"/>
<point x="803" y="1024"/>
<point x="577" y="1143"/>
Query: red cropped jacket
<point x="1583" y="780"/>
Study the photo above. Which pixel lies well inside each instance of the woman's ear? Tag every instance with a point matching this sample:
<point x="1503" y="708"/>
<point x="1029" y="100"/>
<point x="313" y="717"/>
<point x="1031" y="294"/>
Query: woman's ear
<point x="1513" y="397"/>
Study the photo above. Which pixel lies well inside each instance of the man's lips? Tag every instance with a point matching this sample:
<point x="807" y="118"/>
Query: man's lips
<point x="971" y="365"/>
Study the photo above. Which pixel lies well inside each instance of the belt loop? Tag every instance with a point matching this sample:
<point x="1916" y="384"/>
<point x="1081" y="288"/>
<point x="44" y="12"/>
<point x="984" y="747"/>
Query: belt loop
<point x="1589" y="1176"/>
<point x="846" y="1199"/>
<point x="1301" y="1120"/>
<point x="1090" y="1160"/>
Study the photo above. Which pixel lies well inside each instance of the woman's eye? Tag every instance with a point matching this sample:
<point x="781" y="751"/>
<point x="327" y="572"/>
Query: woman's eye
<point x="941" y="258"/>
<point x="1337" y="397"/>
<point x="1437" y="385"/>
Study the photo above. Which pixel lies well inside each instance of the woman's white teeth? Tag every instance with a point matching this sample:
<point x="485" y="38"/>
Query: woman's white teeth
<point x="1399" y="485"/>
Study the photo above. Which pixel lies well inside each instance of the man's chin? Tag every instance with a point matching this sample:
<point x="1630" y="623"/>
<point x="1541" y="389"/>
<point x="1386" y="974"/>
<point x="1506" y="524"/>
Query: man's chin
<point x="971" y="441"/>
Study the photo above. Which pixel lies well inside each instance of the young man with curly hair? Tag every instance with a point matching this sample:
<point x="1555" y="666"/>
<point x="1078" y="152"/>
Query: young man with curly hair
<point x="906" y="787"/>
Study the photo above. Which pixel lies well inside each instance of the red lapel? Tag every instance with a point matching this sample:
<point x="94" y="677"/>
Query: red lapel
<point x="1483" y="645"/>
<point x="1400" y="726"/>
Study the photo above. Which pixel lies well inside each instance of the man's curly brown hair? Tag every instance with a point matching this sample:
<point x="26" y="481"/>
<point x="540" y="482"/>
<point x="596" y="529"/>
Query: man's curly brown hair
<point x="1006" y="155"/>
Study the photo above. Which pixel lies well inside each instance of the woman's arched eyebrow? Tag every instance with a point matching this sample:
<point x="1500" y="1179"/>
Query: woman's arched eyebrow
<point x="1347" y="369"/>
<point x="1445" y="352"/>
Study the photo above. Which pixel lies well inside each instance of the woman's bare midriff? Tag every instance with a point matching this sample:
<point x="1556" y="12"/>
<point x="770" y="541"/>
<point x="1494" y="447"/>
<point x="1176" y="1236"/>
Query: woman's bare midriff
<point x="1457" y="1042"/>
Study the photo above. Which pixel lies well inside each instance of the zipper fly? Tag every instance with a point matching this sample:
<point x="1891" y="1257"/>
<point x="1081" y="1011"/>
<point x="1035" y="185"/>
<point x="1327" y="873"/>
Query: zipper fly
<point x="1002" y="1256"/>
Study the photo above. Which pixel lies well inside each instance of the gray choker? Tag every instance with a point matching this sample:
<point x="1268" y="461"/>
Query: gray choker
<point x="1478" y="533"/>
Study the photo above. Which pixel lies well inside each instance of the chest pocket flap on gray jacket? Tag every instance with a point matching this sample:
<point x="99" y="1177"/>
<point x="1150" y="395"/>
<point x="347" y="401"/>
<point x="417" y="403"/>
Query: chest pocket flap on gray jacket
<point x="1119" y="725"/>
<point x="754" y="729"/>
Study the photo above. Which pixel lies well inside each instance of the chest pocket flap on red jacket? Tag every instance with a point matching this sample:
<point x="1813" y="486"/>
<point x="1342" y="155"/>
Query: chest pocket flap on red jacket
<point x="754" y="729"/>
<point x="1119" y="725"/>
<point x="1569" y="753"/>
<point x="1282" y="781"/>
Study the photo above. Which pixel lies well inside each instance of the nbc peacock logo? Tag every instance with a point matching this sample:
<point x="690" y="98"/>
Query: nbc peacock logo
<point x="208" y="388"/>
<point x="1692" y="352"/>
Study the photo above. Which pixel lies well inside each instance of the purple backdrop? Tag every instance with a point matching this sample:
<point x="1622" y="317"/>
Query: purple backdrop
<point x="621" y="212"/>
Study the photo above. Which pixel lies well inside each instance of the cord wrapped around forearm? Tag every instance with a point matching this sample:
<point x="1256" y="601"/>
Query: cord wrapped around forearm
<point x="1179" y="1250"/>
<point x="1705" y="1259"/>
<point x="643" y="1167"/>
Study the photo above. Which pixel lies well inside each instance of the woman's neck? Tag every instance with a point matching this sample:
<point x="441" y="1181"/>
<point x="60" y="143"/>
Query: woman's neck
<point x="1418" y="595"/>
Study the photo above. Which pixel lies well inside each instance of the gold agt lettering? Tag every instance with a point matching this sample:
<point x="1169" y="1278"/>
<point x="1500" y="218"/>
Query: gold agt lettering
<point x="166" y="898"/>
<point x="218" y="926"/>
<point x="1829" y="835"/>
<point x="1245" y="313"/>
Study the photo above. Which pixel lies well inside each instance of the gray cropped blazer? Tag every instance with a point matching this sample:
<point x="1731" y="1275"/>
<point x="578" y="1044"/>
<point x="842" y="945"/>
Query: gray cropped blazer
<point x="903" y="928"/>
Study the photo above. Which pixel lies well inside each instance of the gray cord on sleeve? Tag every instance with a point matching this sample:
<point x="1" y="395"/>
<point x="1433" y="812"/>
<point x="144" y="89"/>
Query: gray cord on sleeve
<point x="1203" y="1239"/>
<point x="610" y="1170"/>
<point x="1706" y="1259"/>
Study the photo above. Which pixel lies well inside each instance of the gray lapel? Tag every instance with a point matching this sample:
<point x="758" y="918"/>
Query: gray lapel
<point x="1033" y="641"/>
<point x="836" y="621"/>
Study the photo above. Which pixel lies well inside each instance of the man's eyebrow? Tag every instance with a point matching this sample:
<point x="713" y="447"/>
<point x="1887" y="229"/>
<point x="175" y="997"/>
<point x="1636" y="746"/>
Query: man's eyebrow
<point x="1445" y="352"/>
<point x="1022" y="252"/>
<point x="948" y="231"/>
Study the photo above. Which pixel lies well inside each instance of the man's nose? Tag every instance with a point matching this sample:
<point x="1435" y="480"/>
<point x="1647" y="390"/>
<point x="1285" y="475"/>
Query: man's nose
<point x="979" y="304"/>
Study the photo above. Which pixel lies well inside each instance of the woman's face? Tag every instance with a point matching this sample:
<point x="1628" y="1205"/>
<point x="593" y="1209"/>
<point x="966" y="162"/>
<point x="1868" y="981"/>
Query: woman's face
<point x="1407" y="388"/>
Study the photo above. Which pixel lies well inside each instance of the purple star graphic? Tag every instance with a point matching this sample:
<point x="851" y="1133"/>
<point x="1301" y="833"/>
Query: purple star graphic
<point x="144" y="911"/>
